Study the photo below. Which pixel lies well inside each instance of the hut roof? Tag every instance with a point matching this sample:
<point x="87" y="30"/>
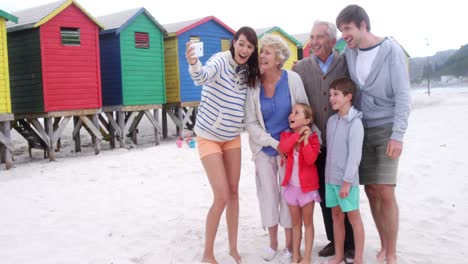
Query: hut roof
<point x="8" y="16"/>
<point x="36" y="16"/>
<point x="262" y="31"/>
<point x="117" y="22"/>
<point x="178" y="28"/>
<point x="302" y="37"/>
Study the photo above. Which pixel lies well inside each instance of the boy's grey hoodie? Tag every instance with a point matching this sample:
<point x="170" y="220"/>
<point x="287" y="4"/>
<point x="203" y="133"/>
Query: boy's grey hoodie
<point x="344" y="148"/>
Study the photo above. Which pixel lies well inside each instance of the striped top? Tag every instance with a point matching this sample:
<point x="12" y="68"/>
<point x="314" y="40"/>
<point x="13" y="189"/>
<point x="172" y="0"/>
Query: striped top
<point x="221" y="111"/>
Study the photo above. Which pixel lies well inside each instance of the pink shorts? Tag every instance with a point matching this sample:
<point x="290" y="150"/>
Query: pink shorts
<point x="295" y="197"/>
<point x="207" y="147"/>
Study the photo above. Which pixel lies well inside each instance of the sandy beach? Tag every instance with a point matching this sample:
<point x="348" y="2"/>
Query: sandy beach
<point x="147" y="204"/>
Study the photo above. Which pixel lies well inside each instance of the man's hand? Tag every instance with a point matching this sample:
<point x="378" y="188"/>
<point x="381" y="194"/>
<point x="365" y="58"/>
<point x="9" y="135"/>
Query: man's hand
<point x="394" y="148"/>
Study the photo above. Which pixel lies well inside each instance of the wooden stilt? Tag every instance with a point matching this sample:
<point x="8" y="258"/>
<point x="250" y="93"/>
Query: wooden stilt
<point x="97" y="137"/>
<point x="164" y="121"/>
<point x="49" y="129"/>
<point x="110" y="118"/>
<point x="121" y="122"/>
<point x="157" y="134"/>
<point x="6" y="144"/>
<point x="55" y="127"/>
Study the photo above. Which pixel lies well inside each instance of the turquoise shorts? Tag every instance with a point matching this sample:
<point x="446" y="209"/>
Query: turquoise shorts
<point x="348" y="204"/>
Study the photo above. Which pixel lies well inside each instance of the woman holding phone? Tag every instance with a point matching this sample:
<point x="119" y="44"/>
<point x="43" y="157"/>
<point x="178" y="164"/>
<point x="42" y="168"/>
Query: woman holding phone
<point x="225" y="79"/>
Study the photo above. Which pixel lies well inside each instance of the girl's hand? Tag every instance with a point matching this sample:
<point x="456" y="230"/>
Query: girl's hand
<point x="305" y="132"/>
<point x="344" y="190"/>
<point x="189" y="54"/>
<point x="306" y="138"/>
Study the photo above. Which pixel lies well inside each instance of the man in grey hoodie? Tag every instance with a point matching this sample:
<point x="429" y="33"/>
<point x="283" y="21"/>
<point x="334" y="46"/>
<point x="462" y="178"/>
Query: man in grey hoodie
<point x="378" y="66"/>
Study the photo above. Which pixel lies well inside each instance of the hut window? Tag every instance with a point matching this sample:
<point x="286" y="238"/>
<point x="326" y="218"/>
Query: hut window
<point x="194" y="39"/>
<point x="225" y="44"/>
<point x="70" y="36"/>
<point x="141" y="40"/>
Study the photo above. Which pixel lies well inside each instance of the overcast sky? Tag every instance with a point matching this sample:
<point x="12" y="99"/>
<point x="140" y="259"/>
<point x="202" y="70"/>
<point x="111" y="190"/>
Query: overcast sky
<point x="414" y="23"/>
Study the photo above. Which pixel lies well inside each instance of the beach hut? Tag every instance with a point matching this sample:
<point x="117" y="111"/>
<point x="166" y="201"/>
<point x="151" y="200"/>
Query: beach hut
<point x="182" y="94"/>
<point x="132" y="70"/>
<point x="292" y="42"/>
<point x="55" y="70"/>
<point x="6" y="145"/>
<point x="302" y="50"/>
<point x="340" y="45"/>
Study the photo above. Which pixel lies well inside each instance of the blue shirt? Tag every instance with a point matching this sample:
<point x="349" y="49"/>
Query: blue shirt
<point x="276" y="110"/>
<point x="324" y="66"/>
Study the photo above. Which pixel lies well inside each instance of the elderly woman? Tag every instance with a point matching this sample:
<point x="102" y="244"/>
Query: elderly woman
<point x="267" y="110"/>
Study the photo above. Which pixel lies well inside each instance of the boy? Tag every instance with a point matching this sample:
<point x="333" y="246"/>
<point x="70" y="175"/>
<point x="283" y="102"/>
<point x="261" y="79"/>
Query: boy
<point x="345" y="134"/>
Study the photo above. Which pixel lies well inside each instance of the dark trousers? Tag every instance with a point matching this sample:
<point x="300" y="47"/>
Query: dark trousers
<point x="327" y="212"/>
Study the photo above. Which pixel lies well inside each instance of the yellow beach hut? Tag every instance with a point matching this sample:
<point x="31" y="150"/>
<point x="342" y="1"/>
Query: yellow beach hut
<point x="292" y="42"/>
<point x="6" y="146"/>
<point x="5" y="101"/>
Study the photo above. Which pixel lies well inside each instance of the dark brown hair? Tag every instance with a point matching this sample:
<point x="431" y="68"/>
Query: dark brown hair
<point x="354" y="14"/>
<point x="252" y="63"/>
<point x="344" y="85"/>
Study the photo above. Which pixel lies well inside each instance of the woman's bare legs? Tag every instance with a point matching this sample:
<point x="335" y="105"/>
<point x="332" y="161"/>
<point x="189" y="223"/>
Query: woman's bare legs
<point x="232" y="164"/>
<point x="214" y="168"/>
<point x="273" y="235"/>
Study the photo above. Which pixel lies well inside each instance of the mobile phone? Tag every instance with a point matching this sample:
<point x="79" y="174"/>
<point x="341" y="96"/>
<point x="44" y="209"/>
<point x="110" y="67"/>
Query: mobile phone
<point x="197" y="49"/>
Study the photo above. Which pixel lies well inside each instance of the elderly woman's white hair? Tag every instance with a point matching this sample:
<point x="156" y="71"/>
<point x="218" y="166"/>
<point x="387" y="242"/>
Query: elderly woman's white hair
<point x="278" y="44"/>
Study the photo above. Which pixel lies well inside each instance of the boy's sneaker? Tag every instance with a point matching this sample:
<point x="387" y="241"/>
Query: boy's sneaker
<point x="286" y="257"/>
<point x="269" y="254"/>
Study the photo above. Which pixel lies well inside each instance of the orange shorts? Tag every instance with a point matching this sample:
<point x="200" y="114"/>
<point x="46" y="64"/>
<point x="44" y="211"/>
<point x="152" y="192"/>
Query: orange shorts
<point x="207" y="147"/>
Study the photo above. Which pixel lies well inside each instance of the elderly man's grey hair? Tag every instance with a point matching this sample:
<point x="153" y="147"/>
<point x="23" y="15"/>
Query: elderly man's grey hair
<point x="331" y="28"/>
<point x="278" y="44"/>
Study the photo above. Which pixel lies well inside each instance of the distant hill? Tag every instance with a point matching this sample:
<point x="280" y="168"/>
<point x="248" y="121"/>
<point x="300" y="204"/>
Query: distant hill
<point x="418" y="65"/>
<point x="443" y="63"/>
<point x="456" y="65"/>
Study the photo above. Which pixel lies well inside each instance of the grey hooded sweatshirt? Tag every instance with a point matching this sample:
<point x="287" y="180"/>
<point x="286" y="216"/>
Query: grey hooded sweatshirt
<point x="344" y="148"/>
<point x="385" y="97"/>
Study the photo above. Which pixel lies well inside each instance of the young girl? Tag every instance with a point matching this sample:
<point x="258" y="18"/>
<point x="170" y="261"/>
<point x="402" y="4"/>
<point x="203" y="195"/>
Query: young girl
<point x="301" y="180"/>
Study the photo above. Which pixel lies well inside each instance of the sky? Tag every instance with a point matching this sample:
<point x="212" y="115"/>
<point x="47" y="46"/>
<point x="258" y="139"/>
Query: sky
<point x="421" y="27"/>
